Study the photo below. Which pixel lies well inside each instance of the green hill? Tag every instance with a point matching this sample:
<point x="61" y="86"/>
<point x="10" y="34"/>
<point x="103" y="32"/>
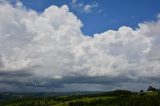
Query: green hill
<point x="114" y="98"/>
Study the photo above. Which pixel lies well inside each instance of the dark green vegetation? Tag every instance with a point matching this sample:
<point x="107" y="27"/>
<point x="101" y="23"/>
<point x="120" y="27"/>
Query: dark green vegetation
<point x="114" y="98"/>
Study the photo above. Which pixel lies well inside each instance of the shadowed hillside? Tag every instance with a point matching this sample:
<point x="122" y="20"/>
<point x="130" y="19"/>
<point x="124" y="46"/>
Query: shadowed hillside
<point x="113" y="98"/>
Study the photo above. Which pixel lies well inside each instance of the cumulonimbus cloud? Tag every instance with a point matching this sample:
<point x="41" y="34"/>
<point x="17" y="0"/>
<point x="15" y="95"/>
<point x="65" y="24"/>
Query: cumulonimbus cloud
<point x="51" y="46"/>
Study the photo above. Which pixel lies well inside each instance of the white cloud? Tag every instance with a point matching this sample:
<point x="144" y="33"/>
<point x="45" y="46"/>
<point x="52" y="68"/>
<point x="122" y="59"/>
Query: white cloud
<point x="86" y="8"/>
<point x="51" y="45"/>
<point x="158" y="15"/>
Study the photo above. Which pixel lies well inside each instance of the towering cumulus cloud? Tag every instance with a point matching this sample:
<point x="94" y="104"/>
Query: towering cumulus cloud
<point x="48" y="51"/>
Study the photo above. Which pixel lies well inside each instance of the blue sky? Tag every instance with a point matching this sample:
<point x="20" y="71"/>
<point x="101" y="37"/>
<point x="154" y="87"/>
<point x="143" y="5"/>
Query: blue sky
<point x="108" y="14"/>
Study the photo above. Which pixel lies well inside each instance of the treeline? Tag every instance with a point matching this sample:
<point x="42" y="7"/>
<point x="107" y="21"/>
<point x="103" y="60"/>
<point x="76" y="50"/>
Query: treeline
<point x="113" y="98"/>
<point x="150" y="88"/>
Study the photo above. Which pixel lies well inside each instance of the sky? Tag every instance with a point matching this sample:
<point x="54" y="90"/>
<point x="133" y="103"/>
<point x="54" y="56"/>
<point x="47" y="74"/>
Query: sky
<point x="103" y="15"/>
<point x="79" y="45"/>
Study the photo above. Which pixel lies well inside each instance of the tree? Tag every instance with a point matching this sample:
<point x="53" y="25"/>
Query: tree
<point x="150" y="88"/>
<point x="141" y="93"/>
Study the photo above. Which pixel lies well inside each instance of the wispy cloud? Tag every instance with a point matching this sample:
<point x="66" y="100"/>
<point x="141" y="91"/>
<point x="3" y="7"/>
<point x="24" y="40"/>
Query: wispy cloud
<point x="84" y="8"/>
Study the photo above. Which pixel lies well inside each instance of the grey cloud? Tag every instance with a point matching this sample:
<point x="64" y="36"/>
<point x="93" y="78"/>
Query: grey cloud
<point x="23" y="73"/>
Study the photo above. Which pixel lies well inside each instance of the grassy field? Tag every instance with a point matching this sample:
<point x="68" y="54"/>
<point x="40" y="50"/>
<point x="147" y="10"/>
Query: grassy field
<point x="84" y="100"/>
<point x="114" y="98"/>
